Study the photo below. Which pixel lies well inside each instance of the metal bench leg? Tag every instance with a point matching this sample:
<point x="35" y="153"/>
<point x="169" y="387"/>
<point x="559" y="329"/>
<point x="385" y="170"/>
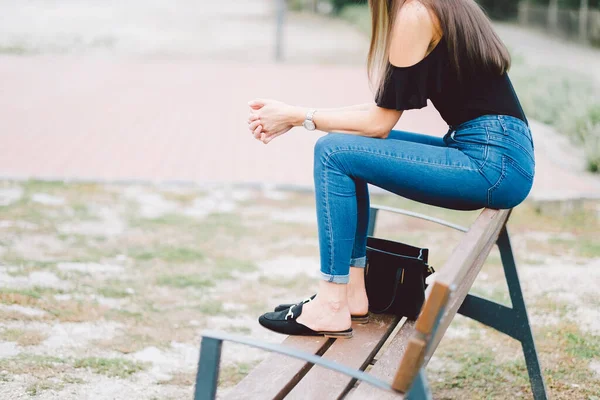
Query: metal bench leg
<point x="420" y="388"/>
<point x="372" y="220"/>
<point x="521" y="325"/>
<point x="208" y="369"/>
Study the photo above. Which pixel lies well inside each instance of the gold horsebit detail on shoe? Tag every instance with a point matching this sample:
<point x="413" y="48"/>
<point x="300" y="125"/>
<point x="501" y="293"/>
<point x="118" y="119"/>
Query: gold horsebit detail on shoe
<point x="290" y="314"/>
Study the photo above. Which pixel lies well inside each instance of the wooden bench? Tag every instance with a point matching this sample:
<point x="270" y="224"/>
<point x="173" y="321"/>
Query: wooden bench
<point x="396" y="350"/>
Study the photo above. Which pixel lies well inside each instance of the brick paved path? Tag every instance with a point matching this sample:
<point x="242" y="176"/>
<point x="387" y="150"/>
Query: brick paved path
<point x="183" y="119"/>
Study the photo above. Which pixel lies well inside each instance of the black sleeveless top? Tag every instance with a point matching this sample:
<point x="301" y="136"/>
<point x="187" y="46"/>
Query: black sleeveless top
<point x="458" y="101"/>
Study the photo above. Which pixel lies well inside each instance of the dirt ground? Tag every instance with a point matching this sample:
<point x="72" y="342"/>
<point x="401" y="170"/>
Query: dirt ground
<point x="105" y="289"/>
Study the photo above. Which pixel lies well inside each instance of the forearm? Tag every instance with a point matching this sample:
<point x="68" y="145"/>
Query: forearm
<point x="369" y="121"/>
<point x="356" y="107"/>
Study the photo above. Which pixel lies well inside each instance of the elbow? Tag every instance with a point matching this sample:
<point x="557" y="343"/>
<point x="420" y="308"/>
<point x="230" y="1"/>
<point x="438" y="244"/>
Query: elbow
<point x="381" y="123"/>
<point x="379" y="132"/>
<point x="384" y="134"/>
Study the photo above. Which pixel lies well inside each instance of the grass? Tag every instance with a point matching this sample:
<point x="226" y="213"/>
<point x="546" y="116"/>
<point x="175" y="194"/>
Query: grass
<point x="497" y="294"/>
<point x="16" y="50"/>
<point x="244" y="330"/>
<point x="35" y="365"/>
<point x="170" y="219"/>
<point x="179" y="265"/>
<point x="480" y="374"/>
<point x="123" y="315"/>
<point x="8" y="295"/>
<point x="582" y="247"/>
<point x="298" y="281"/>
<point x="224" y="267"/>
<point x="72" y="380"/>
<point x="181" y="379"/>
<point x="23" y="337"/>
<point x="130" y="343"/>
<point x="37" y="388"/>
<point x="212" y="307"/>
<point x="75" y="311"/>
<point x="184" y="281"/>
<point x="583" y="346"/>
<point x="231" y="375"/>
<point x="113" y="367"/>
<point x="113" y="292"/>
<point x="169" y="254"/>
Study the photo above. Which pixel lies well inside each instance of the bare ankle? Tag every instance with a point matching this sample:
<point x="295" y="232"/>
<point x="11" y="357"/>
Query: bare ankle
<point x="335" y="305"/>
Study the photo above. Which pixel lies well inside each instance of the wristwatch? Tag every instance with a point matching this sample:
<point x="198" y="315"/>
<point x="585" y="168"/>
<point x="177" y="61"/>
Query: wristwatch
<point x="309" y="124"/>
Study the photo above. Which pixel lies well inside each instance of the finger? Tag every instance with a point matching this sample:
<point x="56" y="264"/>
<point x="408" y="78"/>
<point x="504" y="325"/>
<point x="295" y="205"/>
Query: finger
<point x="253" y="125"/>
<point x="271" y="138"/>
<point x="252" y="118"/>
<point x="257" y="104"/>
<point x="258" y="131"/>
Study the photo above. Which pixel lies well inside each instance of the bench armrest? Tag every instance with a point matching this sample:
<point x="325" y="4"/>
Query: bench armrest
<point x="209" y="361"/>
<point x="419" y="216"/>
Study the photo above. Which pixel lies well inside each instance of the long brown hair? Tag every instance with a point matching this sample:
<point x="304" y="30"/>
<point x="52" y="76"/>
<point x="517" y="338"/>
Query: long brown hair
<point x="472" y="42"/>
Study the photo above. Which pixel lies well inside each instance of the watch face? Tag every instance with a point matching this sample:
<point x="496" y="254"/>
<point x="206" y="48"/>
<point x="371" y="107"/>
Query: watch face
<point x="309" y="125"/>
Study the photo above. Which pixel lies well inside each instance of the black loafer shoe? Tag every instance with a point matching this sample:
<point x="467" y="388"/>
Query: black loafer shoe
<point x="285" y="322"/>
<point x="359" y="319"/>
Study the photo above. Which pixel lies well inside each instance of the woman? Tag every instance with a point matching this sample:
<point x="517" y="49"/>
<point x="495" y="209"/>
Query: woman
<point x="442" y="50"/>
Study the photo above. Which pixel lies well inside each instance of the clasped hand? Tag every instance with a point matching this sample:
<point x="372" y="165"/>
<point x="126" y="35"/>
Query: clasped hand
<point x="269" y="119"/>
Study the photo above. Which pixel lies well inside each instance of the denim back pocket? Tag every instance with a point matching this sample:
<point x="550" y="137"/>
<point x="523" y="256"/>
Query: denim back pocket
<point x="512" y="187"/>
<point x="472" y="141"/>
<point x="514" y="140"/>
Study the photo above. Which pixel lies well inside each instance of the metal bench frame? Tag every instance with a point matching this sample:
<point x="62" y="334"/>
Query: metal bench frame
<point x="513" y="322"/>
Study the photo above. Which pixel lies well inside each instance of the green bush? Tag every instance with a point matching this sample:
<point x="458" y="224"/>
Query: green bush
<point x="581" y="121"/>
<point x="572" y="4"/>
<point x="568" y="102"/>
<point x="338" y="5"/>
<point x="359" y="16"/>
<point x="500" y="9"/>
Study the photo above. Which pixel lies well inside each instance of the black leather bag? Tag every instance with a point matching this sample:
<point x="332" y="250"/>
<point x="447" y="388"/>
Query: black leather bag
<point x="395" y="277"/>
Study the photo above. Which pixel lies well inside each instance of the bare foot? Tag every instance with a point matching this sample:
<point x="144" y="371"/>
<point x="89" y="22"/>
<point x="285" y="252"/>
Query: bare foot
<point x="358" y="303"/>
<point x="324" y="316"/>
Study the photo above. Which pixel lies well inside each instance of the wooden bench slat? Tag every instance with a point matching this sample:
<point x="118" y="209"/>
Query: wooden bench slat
<point x="277" y="374"/>
<point x="357" y="353"/>
<point x="436" y="300"/>
<point x="385" y="367"/>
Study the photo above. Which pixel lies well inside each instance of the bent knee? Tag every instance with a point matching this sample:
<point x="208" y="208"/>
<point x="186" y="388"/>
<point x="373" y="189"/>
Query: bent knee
<point x="327" y="144"/>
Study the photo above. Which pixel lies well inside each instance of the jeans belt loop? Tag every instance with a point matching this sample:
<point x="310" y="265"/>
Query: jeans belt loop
<point x="502" y="123"/>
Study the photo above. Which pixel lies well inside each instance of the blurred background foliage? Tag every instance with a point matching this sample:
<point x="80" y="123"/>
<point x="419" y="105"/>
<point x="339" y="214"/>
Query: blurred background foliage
<point x="504" y="9"/>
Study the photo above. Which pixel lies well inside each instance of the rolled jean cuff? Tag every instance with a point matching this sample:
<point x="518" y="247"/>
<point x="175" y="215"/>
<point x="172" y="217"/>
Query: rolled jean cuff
<point x="359" y="262"/>
<point x="342" y="279"/>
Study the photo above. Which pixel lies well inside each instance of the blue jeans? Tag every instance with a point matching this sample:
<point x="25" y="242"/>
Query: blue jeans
<point x="486" y="162"/>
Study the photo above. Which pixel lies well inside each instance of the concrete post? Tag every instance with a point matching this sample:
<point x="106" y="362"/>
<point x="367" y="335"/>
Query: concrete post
<point x="553" y="16"/>
<point x="280" y="8"/>
<point x="524" y="12"/>
<point x="583" y="21"/>
<point x="315" y="6"/>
